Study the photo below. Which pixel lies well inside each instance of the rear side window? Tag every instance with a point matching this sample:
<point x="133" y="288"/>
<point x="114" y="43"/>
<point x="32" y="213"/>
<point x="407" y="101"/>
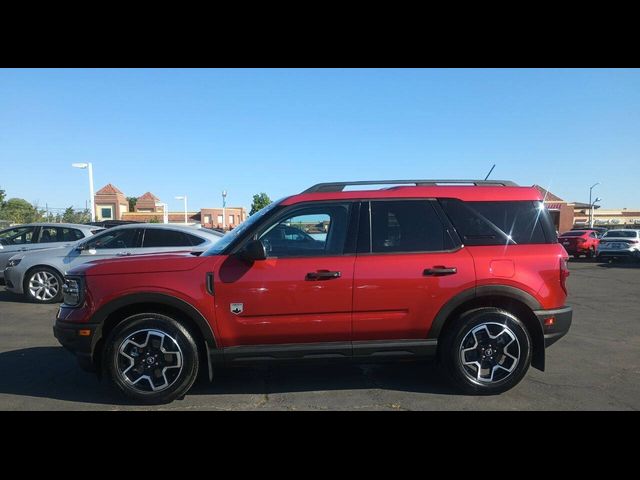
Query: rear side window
<point x="195" y="240"/>
<point x="500" y="223"/>
<point x="155" y="237"/>
<point x="407" y="226"/>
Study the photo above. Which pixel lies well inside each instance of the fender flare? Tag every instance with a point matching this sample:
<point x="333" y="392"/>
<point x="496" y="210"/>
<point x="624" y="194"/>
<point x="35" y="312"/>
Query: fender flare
<point x="160" y="299"/>
<point x="479" y="292"/>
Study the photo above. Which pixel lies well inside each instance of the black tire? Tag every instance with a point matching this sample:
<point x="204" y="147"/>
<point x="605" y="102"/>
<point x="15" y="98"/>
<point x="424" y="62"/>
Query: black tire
<point x="171" y="374"/>
<point x="506" y="329"/>
<point x="591" y="253"/>
<point x="51" y="279"/>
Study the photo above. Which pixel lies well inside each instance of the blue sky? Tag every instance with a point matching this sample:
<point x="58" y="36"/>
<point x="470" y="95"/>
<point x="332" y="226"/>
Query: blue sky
<point x="197" y="132"/>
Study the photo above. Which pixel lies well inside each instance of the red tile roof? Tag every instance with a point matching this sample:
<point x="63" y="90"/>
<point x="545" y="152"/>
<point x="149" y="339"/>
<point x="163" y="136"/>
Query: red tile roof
<point x="547" y="195"/>
<point x="109" y="189"/>
<point x="148" y="196"/>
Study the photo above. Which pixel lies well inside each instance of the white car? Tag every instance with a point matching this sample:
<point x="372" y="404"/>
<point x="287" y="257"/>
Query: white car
<point x="38" y="236"/>
<point x="39" y="275"/>
<point x="620" y="243"/>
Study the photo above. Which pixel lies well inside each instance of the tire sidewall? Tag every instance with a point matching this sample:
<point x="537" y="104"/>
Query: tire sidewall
<point x="463" y="326"/>
<point x="29" y="276"/>
<point x="166" y="325"/>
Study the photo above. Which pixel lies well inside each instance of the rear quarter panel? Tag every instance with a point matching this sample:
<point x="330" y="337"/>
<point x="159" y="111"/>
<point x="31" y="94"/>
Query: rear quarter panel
<point x="534" y="269"/>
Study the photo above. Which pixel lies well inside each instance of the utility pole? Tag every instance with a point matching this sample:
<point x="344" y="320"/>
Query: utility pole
<point x="224" y="203"/>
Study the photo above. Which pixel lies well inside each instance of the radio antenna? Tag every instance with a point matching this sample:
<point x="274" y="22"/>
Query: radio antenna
<point x="494" y="166"/>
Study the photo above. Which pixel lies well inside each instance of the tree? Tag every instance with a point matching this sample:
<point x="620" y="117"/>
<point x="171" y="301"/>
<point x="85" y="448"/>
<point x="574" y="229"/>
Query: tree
<point x="18" y="210"/>
<point x="2" y="195"/>
<point x="260" y="200"/>
<point x="132" y="203"/>
<point x="76" y="216"/>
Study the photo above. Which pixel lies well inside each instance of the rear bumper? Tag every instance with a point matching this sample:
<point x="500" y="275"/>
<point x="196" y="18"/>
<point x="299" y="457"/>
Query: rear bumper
<point x="554" y="331"/>
<point x="619" y="253"/>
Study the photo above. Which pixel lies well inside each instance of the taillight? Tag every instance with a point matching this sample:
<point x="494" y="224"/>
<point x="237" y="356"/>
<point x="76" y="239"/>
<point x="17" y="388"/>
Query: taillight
<point x="582" y="240"/>
<point x="564" y="273"/>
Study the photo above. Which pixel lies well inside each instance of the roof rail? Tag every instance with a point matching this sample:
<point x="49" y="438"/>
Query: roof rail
<point x="339" y="186"/>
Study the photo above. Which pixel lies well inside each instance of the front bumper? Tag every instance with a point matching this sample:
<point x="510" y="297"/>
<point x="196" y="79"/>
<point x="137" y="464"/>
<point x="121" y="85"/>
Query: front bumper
<point x="554" y="331"/>
<point x="78" y="338"/>
<point x="12" y="280"/>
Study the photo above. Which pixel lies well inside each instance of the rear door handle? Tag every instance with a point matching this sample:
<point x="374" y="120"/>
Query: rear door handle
<point x="439" y="271"/>
<point x="322" y="275"/>
<point x="123" y="254"/>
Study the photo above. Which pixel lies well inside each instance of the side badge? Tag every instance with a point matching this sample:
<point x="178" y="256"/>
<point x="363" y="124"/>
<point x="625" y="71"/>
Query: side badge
<point x="236" y="308"/>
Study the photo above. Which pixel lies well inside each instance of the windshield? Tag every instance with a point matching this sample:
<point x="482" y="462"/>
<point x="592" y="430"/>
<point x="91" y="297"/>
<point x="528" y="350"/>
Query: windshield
<point x="230" y="236"/>
<point x="620" y="234"/>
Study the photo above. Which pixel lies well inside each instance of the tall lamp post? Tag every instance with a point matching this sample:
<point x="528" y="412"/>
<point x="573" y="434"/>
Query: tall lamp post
<point x="224" y="204"/>
<point x="591" y="205"/>
<point x="183" y="197"/>
<point x="89" y="167"/>
<point x="165" y="211"/>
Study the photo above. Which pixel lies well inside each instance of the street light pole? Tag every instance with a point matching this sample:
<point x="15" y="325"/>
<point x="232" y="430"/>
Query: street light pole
<point x="224" y="204"/>
<point x="591" y="205"/>
<point x="184" y="197"/>
<point x="165" y="211"/>
<point x="89" y="167"/>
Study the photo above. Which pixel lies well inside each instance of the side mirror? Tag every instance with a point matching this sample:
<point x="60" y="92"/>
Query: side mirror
<point x="254" y="250"/>
<point x="80" y="248"/>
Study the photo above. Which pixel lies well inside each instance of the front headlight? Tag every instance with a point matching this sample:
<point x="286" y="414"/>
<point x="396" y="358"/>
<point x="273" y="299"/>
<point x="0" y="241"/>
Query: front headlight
<point x="72" y="291"/>
<point x="14" y="262"/>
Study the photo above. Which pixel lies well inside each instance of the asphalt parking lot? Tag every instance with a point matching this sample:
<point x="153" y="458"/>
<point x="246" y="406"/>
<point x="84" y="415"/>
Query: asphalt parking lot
<point x="595" y="367"/>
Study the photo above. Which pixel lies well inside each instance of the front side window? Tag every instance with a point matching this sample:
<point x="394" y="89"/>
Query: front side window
<point x="407" y="226"/>
<point x="311" y="231"/>
<point x="125" y="238"/>
<point x="157" y="237"/>
<point x="17" y="236"/>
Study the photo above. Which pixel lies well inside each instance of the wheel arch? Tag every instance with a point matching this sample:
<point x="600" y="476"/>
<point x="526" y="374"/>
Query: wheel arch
<point x="117" y="310"/>
<point x="512" y="299"/>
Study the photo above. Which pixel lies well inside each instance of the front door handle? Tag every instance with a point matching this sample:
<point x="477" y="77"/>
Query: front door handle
<point x="439" y="271"/>
<point x="322" y="275"/>
<point x="123" y="254"/>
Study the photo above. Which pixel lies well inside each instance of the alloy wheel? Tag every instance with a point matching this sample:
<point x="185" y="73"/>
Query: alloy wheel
<point x="149" y="360"/>
<point x="489" y="353"/>
<point x="43" y="286"/>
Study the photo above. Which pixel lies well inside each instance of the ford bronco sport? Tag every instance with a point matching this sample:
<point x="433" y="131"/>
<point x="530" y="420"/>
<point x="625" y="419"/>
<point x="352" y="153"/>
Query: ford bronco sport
<point x="468" y="271"/>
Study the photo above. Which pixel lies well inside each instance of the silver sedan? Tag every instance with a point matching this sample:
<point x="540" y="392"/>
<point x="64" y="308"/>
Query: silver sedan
<point x="37" y="236"/>
<point x="39" y="275"/>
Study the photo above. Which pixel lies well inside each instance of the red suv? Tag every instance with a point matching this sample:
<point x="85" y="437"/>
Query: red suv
<point x="468" y="271"/>
<point x="580" y="242"/>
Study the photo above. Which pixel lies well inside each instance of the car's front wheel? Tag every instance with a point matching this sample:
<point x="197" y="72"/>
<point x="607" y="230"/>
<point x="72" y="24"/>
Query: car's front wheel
<point x="151" y="358"/>
<point x="486" y="351"/>
<point x="43" y="285"/>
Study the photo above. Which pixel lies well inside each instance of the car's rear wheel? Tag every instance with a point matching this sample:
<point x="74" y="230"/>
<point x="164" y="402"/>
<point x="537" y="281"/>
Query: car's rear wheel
<point x="591" y="253"/>
<point x="151" y="358"/>
<point x="43" y="285"/>
<point x="486" y="351"/>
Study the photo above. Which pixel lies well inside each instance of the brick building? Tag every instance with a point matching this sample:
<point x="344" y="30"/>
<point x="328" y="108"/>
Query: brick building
<point x="212" y="217"/>
<point x="110" y="203"/>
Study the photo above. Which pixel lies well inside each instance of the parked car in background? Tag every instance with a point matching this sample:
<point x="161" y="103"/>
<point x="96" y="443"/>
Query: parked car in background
<point x="623" y="243"/>
<point x="580" y="242"/>
<point x="472" y="274"/>
<point x="37" y="236"/>
<point x="599" y="230"/>
<point x="38" y="275"/>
